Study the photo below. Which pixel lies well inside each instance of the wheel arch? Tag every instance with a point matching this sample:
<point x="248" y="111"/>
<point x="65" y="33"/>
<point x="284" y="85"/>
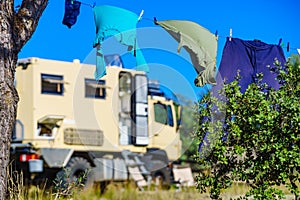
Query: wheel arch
<point x="87" y="155"/>
<point x="59" y="158"/>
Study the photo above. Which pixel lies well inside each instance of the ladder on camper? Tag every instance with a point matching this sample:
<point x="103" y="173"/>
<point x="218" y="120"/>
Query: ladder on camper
<point x="137" y="169"/>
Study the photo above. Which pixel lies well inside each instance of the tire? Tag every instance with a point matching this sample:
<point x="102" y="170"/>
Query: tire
<point x="161" y="179"/>
<point x="77" y="173"/>
<point x="158" y="180"/>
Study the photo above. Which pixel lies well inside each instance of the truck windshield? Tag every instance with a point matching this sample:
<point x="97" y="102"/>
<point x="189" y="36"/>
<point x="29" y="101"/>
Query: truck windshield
<point x="163" y="114"/>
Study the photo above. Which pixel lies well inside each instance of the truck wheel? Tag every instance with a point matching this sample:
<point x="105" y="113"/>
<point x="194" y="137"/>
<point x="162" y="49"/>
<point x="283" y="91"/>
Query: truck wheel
<point x="77" y="173"/>
<point x="159" y="179"/>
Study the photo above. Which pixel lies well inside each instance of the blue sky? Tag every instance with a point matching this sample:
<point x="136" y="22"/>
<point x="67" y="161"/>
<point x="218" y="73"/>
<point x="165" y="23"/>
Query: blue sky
<point x="266" y="20"/>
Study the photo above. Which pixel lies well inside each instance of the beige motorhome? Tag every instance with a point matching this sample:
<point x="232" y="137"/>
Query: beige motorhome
<point x="69" y="117"/>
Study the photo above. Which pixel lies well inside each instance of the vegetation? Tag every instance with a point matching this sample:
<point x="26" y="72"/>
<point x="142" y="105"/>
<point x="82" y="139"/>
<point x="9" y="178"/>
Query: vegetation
<point x="121" y="191"/>
<point x="66" y="185"/>
<point x="253" y="137"/>
<point x="189" y="141"/>
<point x="125" y="191"/>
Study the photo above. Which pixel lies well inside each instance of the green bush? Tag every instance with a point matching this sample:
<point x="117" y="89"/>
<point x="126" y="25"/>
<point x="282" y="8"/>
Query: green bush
<point x="261" y="127"/>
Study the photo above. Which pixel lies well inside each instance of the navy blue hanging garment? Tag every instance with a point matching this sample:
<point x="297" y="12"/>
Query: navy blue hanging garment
<point x="250" y="58"/>
<point x="72" y="10"/>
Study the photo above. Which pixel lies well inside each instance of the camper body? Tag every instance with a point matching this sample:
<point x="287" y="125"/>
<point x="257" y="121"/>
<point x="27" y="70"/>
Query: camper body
<point x="67" y="119"/>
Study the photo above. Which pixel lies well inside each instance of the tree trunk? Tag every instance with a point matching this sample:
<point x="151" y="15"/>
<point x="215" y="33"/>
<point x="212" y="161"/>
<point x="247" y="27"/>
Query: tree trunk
<point x="16" y="28"/>
<point x="8" y="106"/>
<point x="8" y="94"/>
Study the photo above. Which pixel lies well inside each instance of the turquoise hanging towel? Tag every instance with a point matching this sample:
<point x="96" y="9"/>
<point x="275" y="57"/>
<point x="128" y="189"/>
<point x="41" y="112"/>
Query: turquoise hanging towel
<point x="121" y="24"/>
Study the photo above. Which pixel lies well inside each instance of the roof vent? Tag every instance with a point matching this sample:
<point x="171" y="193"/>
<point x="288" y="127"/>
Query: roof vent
<point x="76" y="61"/>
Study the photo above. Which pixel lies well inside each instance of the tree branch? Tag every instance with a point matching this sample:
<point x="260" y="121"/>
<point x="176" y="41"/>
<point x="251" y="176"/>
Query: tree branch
<point x="26" y="21"/>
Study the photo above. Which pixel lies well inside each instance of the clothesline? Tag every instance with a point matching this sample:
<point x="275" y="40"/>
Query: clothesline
<point x="86" y="4"/>
<point x="90" y="5"/>
<point x="280" y="43"/>
<point x="288" y="47"/>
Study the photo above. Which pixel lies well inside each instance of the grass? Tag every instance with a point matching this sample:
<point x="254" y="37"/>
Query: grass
<point x="123" y="191"/>
<point x="117" y="191"/>
<point x="237" y="189"/>
<point x="128" y="191"/>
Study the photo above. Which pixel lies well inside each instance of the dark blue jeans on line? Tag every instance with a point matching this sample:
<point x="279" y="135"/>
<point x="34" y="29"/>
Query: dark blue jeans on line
<point x="251" y="58"/>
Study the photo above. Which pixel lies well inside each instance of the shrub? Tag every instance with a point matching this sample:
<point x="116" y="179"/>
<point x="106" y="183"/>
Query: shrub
<point x="252" y="136"/>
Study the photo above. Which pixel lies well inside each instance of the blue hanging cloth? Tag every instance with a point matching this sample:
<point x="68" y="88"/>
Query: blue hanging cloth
<point x="72" y="10"/>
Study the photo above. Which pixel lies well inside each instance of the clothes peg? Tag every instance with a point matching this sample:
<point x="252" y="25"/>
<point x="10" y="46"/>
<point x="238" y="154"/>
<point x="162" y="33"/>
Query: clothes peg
<point x="230" y="34"/>
<point x="280" y="40"/>
<point x="141" y="14"/>
<point x="155" y="21"/>
<point x="288" y="47"/>
<point x="298" y="51"/>
<point x="216" y="33"/>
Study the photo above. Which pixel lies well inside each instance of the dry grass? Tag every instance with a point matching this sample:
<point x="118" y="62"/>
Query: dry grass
<point x="121" y="191"/>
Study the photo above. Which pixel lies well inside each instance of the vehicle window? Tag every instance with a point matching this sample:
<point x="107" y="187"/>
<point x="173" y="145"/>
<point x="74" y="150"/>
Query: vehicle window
<point x="95" y="89"/>
<point x="170" y="116"/>
<point x="141" y="89"/>
<point x="18" y="131"/>
<point x="160" y="112"/>
<point x="125" y="119"/>
<point x="178" y="112"/>
<point x="44" y="130"/>
<point x="48" y="125"/>
<point x="52" y="84"/>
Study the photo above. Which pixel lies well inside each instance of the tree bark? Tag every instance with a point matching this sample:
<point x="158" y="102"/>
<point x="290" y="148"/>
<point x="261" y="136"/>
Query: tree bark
<point x="16" y="28"/>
